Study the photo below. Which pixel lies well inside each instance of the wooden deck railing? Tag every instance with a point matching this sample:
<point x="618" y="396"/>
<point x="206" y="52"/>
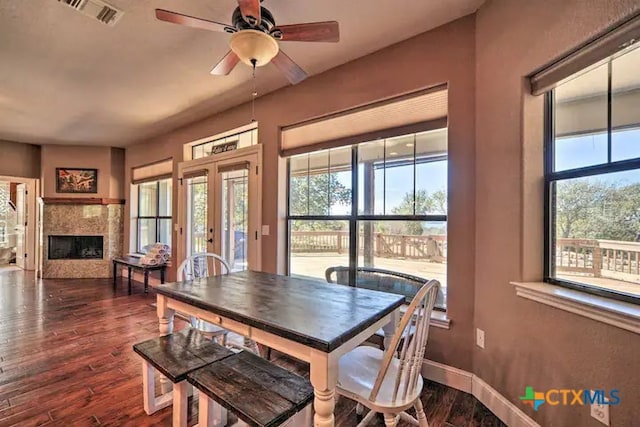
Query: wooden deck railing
<point x="610" y="259"/>
<point x="384" y="245"/>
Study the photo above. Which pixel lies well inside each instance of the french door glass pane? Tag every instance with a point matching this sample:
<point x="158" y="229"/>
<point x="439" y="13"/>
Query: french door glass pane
<point x="146" y="233"/>
<point x="418" y="248"/>
<point x="235" y="218"/>
<point x="147" y="196"/>
<point x="315" y="246"/>
<point x="597" y="231"/>
<point x="197" y="214"/>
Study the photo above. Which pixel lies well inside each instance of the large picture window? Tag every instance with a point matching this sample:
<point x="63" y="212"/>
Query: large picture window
<point x="153" y="220"/>
<point x="380" y="204"/>
<point x="592" y="179"/>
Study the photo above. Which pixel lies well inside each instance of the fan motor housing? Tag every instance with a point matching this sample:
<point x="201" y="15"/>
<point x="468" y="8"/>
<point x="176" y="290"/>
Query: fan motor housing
<point x="267" y="22"/>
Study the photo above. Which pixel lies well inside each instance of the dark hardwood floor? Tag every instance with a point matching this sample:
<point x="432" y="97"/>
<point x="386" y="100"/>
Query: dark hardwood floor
<point x="66" y="359"/>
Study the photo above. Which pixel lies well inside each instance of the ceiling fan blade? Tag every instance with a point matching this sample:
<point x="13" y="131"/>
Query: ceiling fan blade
<point x="226" y="64"/>
<point x="251" y="11"/>
<point x="192" y="21"/>
<point x="310" y="32"/>
<point x="290" y="69"/>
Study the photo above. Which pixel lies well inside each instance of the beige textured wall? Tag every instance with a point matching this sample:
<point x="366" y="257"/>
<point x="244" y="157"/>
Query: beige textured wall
<point x="110" y="169"/>
<point x="116" y="174"/>
<point x="20" y="160"/>
<point x="443" y="55"/>
<point x="528" y="343"/>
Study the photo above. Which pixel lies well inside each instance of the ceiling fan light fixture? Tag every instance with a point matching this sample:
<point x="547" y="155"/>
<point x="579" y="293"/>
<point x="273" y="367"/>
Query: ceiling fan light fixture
<point x="253" y="45"/>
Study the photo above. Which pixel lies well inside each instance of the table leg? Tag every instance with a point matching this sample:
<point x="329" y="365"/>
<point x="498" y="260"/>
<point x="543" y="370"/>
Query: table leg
<point x="324" y="377"/>
<point x="146" y="281"/>
<point x="165" y="320"/>
<point x="115" y="274"/>
<point x="129" y="268"/>
<point x="390" y="328"/>
<point x="162" y="274"/>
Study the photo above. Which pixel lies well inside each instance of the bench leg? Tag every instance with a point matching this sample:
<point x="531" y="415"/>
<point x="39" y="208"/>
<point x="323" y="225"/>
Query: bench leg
<point x="180" y="404"/>
<point x="152" y="404"/>
<point x="210" y="414"/>
<point x="129" y="280"/>
<point x="146" y="281"/>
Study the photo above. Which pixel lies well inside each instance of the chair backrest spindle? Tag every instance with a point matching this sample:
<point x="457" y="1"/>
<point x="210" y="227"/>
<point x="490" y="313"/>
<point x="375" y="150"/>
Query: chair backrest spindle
<point x="197" y="266"/>
<point x="412" y="352"/>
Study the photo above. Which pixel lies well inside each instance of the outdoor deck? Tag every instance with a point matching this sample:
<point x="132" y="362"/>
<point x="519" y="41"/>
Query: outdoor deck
<point x="315" y="264"/>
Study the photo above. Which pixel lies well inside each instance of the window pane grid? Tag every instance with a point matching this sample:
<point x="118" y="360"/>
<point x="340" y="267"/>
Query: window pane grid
<point x="377" y="205"/>
<point x="592" y="180"/>
<point x="154" y="220"/>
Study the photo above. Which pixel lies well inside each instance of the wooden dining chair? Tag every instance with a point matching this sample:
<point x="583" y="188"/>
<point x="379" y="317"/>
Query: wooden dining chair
<point x="205" y="265"/>
<point x="198" y="266"/>
<point x="384" y="382"/>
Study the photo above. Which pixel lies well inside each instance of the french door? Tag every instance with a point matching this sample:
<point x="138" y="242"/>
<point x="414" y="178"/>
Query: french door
<point x="220" y="207"/>
<point x="21" y="225"/>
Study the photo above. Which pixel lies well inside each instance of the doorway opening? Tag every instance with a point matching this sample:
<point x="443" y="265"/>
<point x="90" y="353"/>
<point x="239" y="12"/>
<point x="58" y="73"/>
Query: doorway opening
<point x="18" y="223"/>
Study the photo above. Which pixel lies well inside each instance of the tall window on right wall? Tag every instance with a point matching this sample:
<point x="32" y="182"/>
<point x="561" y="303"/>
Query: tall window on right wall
<point x="592" y="179"/>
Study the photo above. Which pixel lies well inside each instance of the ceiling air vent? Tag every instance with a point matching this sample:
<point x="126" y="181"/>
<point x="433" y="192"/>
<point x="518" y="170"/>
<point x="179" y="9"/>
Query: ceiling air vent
<point x="96" y="9"/>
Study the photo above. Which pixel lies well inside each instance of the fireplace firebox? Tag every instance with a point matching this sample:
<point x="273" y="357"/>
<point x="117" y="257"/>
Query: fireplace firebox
<point x="75" y="247"/>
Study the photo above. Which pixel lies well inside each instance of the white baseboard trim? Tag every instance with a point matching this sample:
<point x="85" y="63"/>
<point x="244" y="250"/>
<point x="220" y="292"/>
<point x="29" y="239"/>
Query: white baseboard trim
<point x="447" y="375"/>
<point x="465" y="381"/>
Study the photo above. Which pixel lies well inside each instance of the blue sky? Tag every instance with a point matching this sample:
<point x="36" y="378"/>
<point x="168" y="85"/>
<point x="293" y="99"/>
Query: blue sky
<point x="588" y="150"/>
<point x="431" y="177"/>
<point x="573" y="152"/>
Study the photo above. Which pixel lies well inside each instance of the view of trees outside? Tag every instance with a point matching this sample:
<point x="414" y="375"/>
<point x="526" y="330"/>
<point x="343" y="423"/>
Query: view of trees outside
<point x="597" y="218"/>
<point x="200" y="204"/>
<point x="595" y="208"/>
<point x="314" y="195"/>
<point x="197" y="194"/>
<point x="392" y="182"/>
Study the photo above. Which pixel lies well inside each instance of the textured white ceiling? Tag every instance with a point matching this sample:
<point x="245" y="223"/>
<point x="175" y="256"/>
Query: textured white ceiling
<point x="67" y="79"/>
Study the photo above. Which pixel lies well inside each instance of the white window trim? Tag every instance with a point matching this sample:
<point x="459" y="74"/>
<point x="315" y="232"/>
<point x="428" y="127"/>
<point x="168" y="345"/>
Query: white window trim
<point x="612" y="312"/>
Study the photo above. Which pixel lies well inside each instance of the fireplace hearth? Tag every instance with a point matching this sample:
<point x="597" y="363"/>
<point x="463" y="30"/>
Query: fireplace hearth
<point x="76" y="247"/>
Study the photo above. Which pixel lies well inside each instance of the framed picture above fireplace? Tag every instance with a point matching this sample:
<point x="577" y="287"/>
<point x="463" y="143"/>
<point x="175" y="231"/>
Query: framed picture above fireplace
<point x="70" y="180"/>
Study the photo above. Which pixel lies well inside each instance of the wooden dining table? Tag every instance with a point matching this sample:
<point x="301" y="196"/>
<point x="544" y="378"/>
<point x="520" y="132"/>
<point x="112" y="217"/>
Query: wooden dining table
<point x="308" y="319"/>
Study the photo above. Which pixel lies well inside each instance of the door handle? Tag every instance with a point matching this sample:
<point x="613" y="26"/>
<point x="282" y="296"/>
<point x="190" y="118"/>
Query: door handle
<point x="210" y="240"/>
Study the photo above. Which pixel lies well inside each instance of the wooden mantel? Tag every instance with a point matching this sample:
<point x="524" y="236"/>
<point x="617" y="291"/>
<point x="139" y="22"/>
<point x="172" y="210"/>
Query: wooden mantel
<point x="81" y="201"/>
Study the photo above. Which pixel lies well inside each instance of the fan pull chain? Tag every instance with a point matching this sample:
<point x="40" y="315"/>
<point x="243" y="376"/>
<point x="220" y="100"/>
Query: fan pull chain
<point x="254" y="93"/>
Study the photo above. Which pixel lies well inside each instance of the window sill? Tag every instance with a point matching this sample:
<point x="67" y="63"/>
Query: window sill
<point x="439" y="319"/>
<point x="616" y="313"/>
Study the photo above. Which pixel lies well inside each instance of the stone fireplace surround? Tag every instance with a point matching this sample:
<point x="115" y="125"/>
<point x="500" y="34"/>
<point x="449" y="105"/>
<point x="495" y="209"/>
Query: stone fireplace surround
<point x="82" y="217"/>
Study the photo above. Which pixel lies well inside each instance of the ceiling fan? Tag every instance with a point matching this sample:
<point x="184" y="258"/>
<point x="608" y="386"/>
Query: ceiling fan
<point x="255" y="37"/>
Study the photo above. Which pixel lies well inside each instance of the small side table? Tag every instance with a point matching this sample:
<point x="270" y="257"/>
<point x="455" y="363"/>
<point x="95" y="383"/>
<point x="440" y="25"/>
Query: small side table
<point x="133" y="263"/>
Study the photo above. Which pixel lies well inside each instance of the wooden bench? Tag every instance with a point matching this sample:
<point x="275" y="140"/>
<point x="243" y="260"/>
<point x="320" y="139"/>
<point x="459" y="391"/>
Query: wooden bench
<point x="133" y="263"/>
<point x="175" y="356"/>
<point x="260" y="393"/>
